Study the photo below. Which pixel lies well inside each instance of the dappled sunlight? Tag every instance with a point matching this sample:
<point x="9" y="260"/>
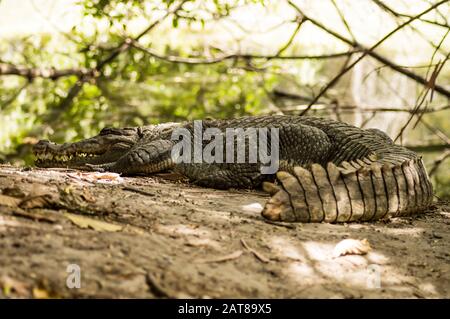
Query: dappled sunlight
<point x="193" y="235"/>
<point x="318" y="251"/>
<point x="312" y="263"/>
<point x="283" y="247"/>
<point x="413" y="231"/>
<point x="355" y="94"/>
<point x="252" y="208"/>
<point x="303" y="274"/>
<point x="222" y="215"/>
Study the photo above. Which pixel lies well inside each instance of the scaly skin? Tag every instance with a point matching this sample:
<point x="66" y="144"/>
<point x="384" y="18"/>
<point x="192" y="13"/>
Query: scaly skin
<point x="328" y="170"/>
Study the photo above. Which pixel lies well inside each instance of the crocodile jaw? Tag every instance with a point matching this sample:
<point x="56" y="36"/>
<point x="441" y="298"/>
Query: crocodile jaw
<point x="104" y="148"/>
<point x="77" y="160"/>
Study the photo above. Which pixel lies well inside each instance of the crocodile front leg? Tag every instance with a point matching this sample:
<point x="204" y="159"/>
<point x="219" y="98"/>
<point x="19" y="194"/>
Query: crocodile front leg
<point x="146" y="158"/>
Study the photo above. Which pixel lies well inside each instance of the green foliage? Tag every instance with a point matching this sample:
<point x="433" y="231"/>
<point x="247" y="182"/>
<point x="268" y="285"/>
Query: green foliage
<point x="441" y="184"/>
<point x="135" y="88"/>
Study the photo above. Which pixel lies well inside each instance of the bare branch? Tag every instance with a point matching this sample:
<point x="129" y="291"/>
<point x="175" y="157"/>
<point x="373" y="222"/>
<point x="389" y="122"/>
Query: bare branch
<point x="428" y="148"/>
<point x="234" y="56"/>
<point x="438" y="161"/>
<point x="124" y="46"/>
<point x="291" y="38"/>
<point x="31" y="73"/>
<point x="344" y="21"/>
<point x="430" y="87"/>
<point x="353" y="108"/>
<point x="14" y="96"/>
<point x="370" y="51"/>
<point x="397" y="14"/>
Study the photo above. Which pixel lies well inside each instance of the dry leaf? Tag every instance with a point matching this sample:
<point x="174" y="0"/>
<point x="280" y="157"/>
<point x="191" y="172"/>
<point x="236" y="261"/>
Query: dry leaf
<point x="39" y="293"/>
<point x="68" y="189"/>
<point x="9" y="201"/>
<point x="87" y="196"/>
<point x="38" y="201"/>
<point x="97" y="177"/>
<point x="106" y="176"/>
<point x="351" y="247"/>
<point x="11" y="285"/>
<point x="253" y="208"/>
<point x="202" y="242"/>
<point x="254" y="252"/>
<point x="87" y="222"/>
<point x="14" y="191"/>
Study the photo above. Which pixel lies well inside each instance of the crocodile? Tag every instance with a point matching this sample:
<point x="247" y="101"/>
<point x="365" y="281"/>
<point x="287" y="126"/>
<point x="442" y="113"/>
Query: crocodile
<point x="328" y="171"/>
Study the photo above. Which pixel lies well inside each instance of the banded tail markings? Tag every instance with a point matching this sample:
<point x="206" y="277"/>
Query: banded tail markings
<point x="413" y="167"/>
<point x="355" y="165"/>
<point x="361" y="163"/>
<point x="297" y="196"/>
<point x="312" y="197"/>
<point x="326" y="192"/>
<point x="344" y="208"/>
<point x="427" y="189"/>
<point x="391" y="190"/>
<point x="356" y="197"/>
<point x="381" y="196"/>
<point x="426" y="180"/>
<point x="278" y="206"/>
<point x="271" y="188"/>
<point x="402" y="184"/>
<point x="411" y="194"/>
<point x="346" y="168"/>
<point x="423" y="177"/>
<point x="423" y="183"/>
<point x="333" y="194"/>
<point x="365" y="183"/>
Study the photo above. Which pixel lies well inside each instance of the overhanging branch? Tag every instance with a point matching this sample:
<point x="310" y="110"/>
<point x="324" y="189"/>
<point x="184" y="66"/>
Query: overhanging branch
<point x="370" y="51"/>
<point x="31" y="73"/>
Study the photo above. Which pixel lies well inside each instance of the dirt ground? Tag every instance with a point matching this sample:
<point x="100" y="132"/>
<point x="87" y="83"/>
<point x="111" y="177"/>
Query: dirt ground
<point x="150" y="237"/>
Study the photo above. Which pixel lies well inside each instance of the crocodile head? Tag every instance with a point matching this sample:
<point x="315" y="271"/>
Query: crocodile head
<point x="104" y="148"/>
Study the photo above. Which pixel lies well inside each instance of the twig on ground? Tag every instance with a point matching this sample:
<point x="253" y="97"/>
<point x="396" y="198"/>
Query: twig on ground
<point x="280" y="224"/>
<point x="137" y="190"/>
<point x="254" y="252"/>
<point x="156" y="288"/>
<point x="234" y="255"/>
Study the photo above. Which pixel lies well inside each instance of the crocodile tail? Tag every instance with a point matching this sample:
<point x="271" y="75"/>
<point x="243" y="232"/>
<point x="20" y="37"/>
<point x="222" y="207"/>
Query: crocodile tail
<point x="356" y="191"/>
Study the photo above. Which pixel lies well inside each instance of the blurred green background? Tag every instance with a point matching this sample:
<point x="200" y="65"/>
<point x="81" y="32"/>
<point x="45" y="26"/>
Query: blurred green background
<point x="67" y="70"/>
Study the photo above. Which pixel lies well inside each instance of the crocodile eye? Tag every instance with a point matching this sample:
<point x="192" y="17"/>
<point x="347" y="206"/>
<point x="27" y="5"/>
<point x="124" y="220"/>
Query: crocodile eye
<point x="106" y="131"/>
<point x="121" y="146"/>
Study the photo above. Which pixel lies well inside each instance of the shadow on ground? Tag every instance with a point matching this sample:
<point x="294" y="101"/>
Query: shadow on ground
<point x="154" y="238"/>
